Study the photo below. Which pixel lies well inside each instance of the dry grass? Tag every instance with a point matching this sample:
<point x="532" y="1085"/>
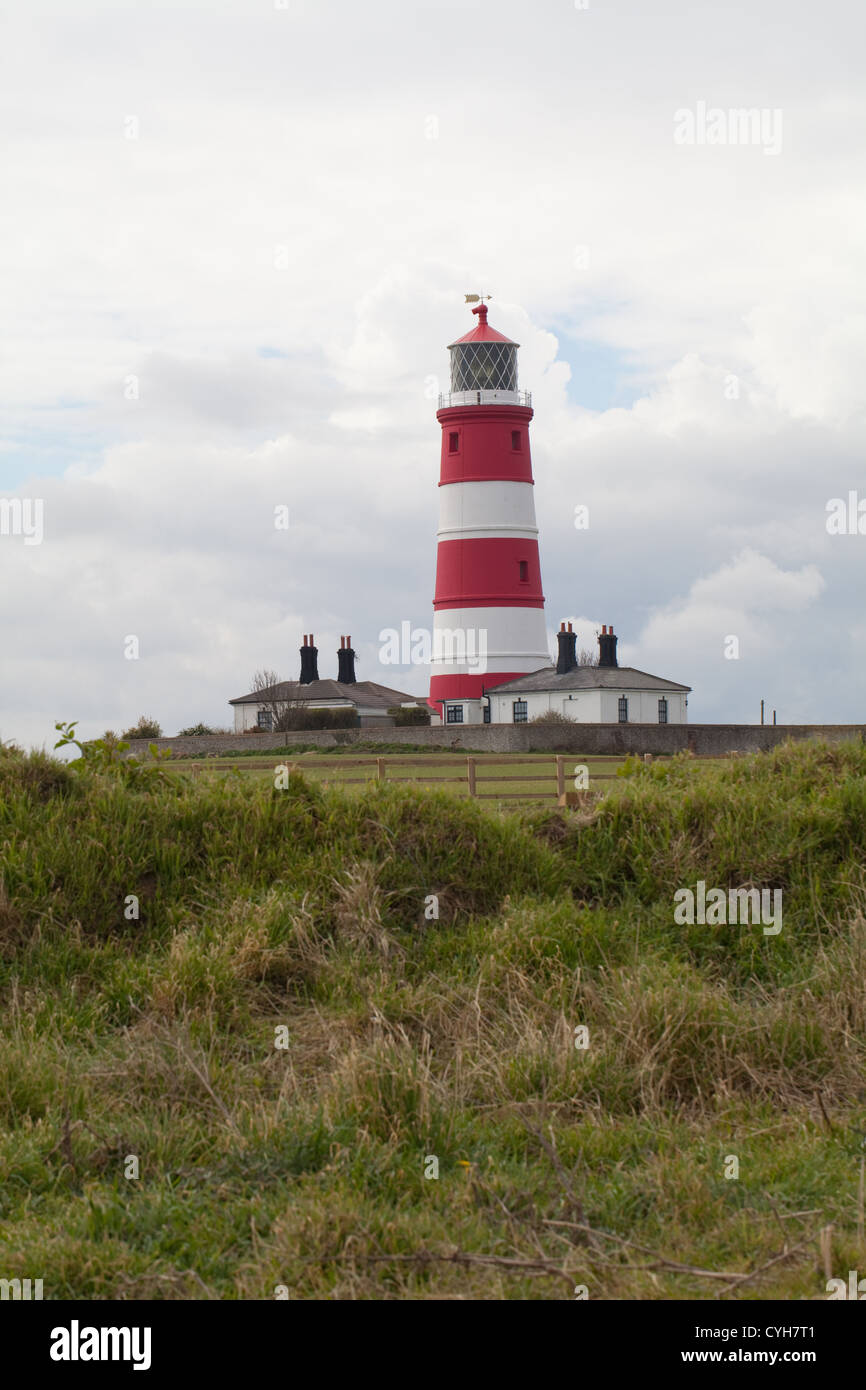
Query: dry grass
<point x="450" y="1040"/>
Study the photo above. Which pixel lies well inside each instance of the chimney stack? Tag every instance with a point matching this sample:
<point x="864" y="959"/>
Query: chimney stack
<point x="567" y="659"/>
<point x="309" y="661"/>
<point x="346" y="662"/>
<point x="607" y="647"/>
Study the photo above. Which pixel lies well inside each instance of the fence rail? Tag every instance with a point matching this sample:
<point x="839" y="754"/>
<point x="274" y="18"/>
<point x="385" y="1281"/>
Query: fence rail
<point x="557" y="771"/>
<point x="472" y="777"/>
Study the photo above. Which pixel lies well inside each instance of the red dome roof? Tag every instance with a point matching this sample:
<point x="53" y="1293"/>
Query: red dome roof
<point x="482" y="333"/>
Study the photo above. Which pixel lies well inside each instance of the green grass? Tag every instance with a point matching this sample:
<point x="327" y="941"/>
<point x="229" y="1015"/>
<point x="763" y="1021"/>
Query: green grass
<point x="412" y="1038"/>
<point x="347" y="748"/>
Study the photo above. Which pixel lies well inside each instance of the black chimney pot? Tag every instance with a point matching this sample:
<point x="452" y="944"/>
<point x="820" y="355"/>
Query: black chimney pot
<point x="607" y="647"/>
<point x="309" y="661"/>
<point x="567" y="659"/>
<point x="346" y="662"/>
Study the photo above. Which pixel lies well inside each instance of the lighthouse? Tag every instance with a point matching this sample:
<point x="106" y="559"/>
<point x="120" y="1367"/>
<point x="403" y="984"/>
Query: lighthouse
<point x="488" y="624"/>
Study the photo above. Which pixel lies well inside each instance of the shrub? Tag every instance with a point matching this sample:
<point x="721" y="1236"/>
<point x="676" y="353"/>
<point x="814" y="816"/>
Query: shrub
<point x="196" y="730"/>
<point x="305" y="718"/>
<point x="145" y="728"/>
<point x="552" y="716"/>
<point x="109" y="754"/>
<point x="36" y="774"/>
<point x="410" y="715"/>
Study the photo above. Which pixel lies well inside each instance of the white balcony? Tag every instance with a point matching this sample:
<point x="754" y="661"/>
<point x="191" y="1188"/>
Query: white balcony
<point x="447" y="399"/>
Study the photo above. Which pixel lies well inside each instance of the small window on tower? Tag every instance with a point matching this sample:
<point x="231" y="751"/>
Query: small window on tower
<point x="524" y="571"/>
<point x="515" y="439"/>
<point x="453" y="442"/>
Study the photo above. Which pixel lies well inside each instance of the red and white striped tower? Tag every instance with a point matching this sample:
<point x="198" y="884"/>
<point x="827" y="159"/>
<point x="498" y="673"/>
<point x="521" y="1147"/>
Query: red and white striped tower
<point x="488" y="577"/>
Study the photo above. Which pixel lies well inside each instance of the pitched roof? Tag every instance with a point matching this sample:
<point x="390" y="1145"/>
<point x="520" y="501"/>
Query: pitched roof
<point x="587" y="678"/>
<point x="366" y="693"/>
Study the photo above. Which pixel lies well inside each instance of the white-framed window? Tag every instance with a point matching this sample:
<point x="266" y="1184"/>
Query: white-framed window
<point x="519" y="709"/>
<point x="265" y="719"/>
<point x="453" y="714"/>
<point x="663" y="710"/>
<point x="623" y="710"/>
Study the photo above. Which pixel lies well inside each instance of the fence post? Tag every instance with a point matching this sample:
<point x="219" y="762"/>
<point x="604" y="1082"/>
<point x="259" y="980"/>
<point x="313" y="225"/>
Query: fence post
<point x="470" y="773"/>
<point x="380" y="769"/>
<point x="560" y="776"/>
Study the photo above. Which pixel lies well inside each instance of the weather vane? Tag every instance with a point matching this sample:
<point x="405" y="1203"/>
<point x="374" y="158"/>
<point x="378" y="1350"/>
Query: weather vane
<point x="474" y="298"/>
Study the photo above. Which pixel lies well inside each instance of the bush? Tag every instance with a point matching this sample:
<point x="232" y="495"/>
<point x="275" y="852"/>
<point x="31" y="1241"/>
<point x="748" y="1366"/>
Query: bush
<point x="411" y="714"/>
<point x="304" y="718"/>
<point x="36" y="774"/>
<point x="552" y="716"/>
<point x="145" y="728"/>
<point x="196" y="730"/>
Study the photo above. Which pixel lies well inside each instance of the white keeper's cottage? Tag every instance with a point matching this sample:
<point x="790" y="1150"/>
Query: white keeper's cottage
<point x="369" y="701"/>
<point x="602" y="694"/>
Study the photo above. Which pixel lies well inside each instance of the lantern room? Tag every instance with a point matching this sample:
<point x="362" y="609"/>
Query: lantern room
<point x="483" y="366"/>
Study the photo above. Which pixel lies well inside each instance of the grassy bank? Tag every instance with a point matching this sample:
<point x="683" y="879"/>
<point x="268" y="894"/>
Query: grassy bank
<point x="412" y="1038"/>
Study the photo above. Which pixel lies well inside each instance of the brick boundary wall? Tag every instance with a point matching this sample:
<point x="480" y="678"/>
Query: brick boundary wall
<point x="701" y="739"/>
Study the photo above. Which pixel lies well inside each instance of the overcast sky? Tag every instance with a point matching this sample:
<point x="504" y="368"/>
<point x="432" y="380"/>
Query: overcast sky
<point x="235" y="239"/>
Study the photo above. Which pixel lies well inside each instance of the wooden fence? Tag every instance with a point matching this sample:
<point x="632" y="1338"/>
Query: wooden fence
<point x="552" y="770"/>
<point x="557" y="771"/>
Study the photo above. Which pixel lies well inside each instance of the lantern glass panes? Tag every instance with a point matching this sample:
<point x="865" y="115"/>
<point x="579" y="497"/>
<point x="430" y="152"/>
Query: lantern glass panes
<point x="484" y="367"/>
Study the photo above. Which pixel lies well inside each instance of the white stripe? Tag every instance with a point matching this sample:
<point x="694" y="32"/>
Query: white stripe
<point x="490" y="508"/>
<point x="514" y="639"/>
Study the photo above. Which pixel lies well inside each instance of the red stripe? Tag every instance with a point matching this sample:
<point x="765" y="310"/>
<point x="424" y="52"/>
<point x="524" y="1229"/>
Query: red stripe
<point x="486" y="574"/>
<point x="485" y="450"/>
<point x="466" y="687"/>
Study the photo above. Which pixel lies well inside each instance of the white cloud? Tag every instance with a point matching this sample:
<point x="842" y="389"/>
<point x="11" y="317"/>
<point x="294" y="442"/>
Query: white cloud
<point x="282" y="194"/>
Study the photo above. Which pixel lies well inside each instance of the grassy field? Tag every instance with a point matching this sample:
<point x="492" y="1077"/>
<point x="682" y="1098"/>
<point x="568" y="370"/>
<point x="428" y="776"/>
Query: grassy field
<point x="529" y="775"/>
<point x="430" y="1128"/>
